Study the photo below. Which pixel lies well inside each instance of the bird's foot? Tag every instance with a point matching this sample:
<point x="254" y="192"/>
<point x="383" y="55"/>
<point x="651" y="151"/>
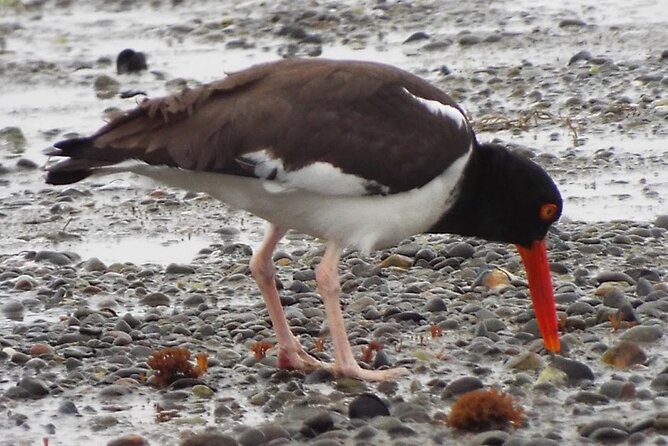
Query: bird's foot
<point x="295" y="358"/>
<point x="357" y="372"/>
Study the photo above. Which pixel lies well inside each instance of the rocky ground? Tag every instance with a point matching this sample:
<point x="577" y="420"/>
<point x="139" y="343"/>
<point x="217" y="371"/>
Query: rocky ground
<point x="95" y="278"/>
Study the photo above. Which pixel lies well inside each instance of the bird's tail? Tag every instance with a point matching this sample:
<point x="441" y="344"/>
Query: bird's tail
<point x="81" y="162"/>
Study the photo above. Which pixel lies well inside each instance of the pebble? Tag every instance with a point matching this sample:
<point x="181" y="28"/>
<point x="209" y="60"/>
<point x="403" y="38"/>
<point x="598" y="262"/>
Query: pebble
<point x="209" y="439"/>
<point x="129" y="440"/>
<point x="643" y="334"/>
<point x="575" y="370"/>
<point x="367" y="405"/>
<point x="155" y="300"/>
<point x="461" y="385"/>
<point x="106" y="87"/>
<point x="624" y="355"/>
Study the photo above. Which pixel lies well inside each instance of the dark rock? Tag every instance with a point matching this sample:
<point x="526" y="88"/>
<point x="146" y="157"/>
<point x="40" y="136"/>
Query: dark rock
<point x="576" y="23"/>
<point x="174" y="268"/>
<point x="461" y="385"/>
<point x="130" y="61"/>
<point x="463" y="249"/>
<point x="209" y="439"/>
<point x="436" y="305"/>
<point x="129" y="440"/>
<point x="575" y="370"/>
<point x="367" y="405"/>
<point x="580" y="55"/>
<point x="417" y="36"/>
<point x="317" y="424"/>
<point x="252" y="437"/>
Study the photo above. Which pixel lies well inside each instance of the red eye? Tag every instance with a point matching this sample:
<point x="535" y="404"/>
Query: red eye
<point x="548" y="211"/>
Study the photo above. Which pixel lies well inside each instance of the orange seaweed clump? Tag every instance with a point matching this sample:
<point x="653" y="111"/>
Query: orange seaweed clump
<point x="484" y="409"/>
<point x="367" y="352"/>
<point x="260" y="348"/>
<point x="436" y="331"/>
<point x="172" y="363"/>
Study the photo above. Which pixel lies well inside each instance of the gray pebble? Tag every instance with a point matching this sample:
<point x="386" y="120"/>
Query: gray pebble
<point x="155" y="300"/>
<point x="180" y="269"/>
<point x="643" y="334"/>
<point x="367" y="405"/>
<point x="461" y="385"/>
<point x="252" y="437"/>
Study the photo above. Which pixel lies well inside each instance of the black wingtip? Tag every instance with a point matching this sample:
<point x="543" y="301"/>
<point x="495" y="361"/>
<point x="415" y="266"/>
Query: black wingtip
<point x="73" y="143"/>
<point x="60" y="178"/>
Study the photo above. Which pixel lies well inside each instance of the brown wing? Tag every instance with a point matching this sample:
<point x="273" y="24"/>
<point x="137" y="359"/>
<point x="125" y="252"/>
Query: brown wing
<point x="357" y="116"/>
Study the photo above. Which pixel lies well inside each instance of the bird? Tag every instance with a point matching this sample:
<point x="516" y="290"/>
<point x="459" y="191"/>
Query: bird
<point x="360" y="155"/>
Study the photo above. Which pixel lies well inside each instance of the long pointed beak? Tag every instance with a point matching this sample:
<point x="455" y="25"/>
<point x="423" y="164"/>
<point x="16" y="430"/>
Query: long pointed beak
<point x="542" y="295"/>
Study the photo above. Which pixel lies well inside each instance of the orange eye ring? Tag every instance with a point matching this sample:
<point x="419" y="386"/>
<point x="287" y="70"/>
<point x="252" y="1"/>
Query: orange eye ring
<point x="548" y="211"/>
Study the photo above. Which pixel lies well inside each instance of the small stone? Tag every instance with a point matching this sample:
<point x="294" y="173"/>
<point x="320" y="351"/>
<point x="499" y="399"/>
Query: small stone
<point x="34" y="387"/>
<point x="202" y="391"/>
<point x="106" y="87"/>
<point x="130" y="61"/>
<point x="461" y="385"/>
<point x="12" y="140"/>
<point x="624" y="355"/>
<point x="436" y="305"/>
<point x="612" y="276"/>
<point x="317" y="424"/>
<point x="252" y="437"/>
<point x="174" y="268"/>
<point x="580" y="55"/>
<point x="552" y="375"/>
<point x="129" y="440"/>
<point x="209" y="439"/>
<point x="469" y="39"/>
<point x="661" y="221"/>
<point x="575" y="370"/>
<point x="575" y="23"/>
<point x="643" y="334"/>
<point x="417" y="36"/>
<point x="525" y="361"/>
<point x="94" y="264"/>
<point x="68" y="408"/>
<point x="608" y="435"/>
<point x="464" y="250"/>
<point x="588" y="429"/>
<point x="367" y="405"/>
<point x="397" y="261"/>
<point x="155" y="300"/>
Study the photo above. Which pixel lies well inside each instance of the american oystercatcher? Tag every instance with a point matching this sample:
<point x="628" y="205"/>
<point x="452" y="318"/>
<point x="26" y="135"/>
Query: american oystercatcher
<point x="358" y="154"/>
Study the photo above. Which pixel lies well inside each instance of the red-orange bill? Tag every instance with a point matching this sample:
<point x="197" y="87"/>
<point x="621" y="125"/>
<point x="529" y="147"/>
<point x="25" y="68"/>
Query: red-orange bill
<point x="542" y="295"/>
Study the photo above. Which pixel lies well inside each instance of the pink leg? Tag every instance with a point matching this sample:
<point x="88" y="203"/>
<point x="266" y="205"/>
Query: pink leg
<point x="345" y="364"/>
<point x="291" y="355"/>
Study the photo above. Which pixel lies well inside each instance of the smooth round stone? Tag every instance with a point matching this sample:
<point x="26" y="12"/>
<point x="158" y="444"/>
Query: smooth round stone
<point x="367" y="405"/>
<point x="436" y="305"/>
<point x="180" y="269"/>
<point x="68" y="408"/>
<point x="94" y="264"/>
<point x="618" y="390"/>
<point x="642" y="334"/>
<point x="156" y="299"/>
<point x="464" y="250"/>
<point x="318" y="423"/>
<point x="625" y="354"/>
<point x="252" y="437"/>
<point x="461" y="385"/>
<point x="273" y="432"/>
<point x="575" y="370"/>
<point x="608" y="434"/>
<point x="491" y="438"/>
<point x="129" y="440"/>
<point x="34" y="387"/>
<point x="209" y="439"/>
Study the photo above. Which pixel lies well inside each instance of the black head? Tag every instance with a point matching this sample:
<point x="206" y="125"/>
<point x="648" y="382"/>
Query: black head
<point x="503" y="197"/>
